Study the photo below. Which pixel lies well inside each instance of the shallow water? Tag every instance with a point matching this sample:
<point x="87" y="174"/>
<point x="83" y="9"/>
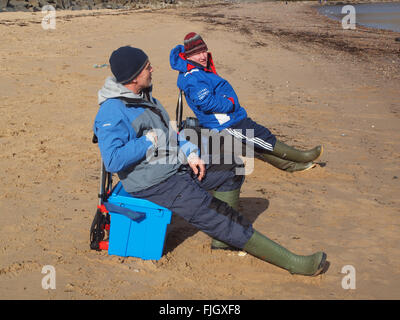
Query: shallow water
<point x="373" y="15"/>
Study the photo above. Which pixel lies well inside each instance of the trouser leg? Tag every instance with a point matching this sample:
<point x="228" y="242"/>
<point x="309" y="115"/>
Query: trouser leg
<point x="188" y="198"/>
<point x="184" y="195"/>
<point x="231" y="198"/>
<point x="269" y="149"/>
<point x="229" y="194"/>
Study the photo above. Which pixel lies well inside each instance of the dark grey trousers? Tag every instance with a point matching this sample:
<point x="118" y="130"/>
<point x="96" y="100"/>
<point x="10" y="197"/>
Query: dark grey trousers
<point x="189" y="198"/>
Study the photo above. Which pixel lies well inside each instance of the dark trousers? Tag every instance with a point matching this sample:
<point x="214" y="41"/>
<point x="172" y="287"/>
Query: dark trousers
<point x="262" y="140"/>
<point x="189" y="198"/>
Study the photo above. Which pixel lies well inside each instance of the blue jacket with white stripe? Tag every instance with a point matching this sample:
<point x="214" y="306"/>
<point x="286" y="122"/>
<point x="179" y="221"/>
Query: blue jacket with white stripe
<point x="211" y="98"/>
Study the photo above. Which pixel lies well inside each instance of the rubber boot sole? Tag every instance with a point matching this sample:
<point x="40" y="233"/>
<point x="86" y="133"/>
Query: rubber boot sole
<point x="306" y="169"/>
<point x="321" y="265"/>
<point x="312" y="165"/>
<point x="320" y="154"/>
<point x="320" y="268"/>
<point x="286" y="165"/>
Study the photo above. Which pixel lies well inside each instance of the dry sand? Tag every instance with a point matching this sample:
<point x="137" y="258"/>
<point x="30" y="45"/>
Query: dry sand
<point x="298" y="73"/>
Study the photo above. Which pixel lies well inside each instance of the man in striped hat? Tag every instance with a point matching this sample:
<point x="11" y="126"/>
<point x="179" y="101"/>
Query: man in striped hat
<point x="216" y="105"/>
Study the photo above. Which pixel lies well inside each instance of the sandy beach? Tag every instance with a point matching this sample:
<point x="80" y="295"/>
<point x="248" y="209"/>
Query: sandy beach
<point x="295" y="71"/>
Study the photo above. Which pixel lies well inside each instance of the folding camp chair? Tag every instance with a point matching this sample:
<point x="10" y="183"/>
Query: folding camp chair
<point x="101" y="222"/>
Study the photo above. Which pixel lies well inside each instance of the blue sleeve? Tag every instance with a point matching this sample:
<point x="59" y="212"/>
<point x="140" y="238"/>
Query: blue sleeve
<point x="186" y="146"/>
<point x="202" y="95"/>
<point x="119" y="146"/>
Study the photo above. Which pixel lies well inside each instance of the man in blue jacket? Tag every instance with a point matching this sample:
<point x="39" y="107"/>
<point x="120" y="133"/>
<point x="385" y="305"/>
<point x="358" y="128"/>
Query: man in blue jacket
<point x="216" y="105"/>
<point x="136" y="142"/>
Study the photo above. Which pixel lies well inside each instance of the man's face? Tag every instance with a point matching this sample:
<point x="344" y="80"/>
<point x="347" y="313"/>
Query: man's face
<point x="200" y="58"/>
<point x="144" y="77"/>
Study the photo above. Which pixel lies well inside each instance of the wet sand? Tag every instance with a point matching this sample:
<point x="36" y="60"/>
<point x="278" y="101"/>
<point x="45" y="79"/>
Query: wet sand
<point x="297" y="72"/>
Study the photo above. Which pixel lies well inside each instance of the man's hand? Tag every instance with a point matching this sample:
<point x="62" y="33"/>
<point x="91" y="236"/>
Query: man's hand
<point x="197" y="165"/>
<point x="152" y="136"/>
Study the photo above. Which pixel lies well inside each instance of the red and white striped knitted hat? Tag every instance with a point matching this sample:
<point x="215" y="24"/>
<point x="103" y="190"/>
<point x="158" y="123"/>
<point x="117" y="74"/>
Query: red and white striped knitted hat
<point x="194" y="44"/>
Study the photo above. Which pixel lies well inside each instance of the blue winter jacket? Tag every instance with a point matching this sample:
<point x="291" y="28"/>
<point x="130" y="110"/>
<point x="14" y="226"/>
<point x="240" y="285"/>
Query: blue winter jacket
<point x="121" y="125"/>
<point x="211" y="98"/>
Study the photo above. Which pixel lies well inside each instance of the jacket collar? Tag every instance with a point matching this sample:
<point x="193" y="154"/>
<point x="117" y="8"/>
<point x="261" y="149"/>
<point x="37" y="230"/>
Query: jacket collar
<point x="192" y="65"/>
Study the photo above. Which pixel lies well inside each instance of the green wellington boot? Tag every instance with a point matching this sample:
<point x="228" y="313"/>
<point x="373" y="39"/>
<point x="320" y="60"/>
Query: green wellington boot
<point x="268" y="250"/>
<point x="283" y="151"/>
<point x="232" y="199"/>
<point x="286" y="165"/>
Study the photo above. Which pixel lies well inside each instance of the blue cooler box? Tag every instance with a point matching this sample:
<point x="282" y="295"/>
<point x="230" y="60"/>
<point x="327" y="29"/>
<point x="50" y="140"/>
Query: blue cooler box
<point x="143" y="237"/>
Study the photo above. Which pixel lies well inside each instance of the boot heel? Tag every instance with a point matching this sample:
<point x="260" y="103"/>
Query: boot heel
<point x="321" y="265"/>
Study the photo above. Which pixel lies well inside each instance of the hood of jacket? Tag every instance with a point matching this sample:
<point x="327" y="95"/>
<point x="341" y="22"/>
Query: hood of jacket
<point x="179" y="62"/>
<point x="217" y="113"/>
<point x="112" y="89"/>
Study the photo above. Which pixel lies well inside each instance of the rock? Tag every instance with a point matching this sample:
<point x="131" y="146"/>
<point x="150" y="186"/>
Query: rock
<point x="70" y="287"/>
<point x="3" y="4"/>
<point x="59" y="4"/>
<point x="33" y="3"/>
<point x="66" y="4"/>
<point x="397" y="39"/>
<point x="43" y="3"/>
<point x="89" y="3"/>
<point x="16" y="3"/>
<point x="22" y="9"/>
